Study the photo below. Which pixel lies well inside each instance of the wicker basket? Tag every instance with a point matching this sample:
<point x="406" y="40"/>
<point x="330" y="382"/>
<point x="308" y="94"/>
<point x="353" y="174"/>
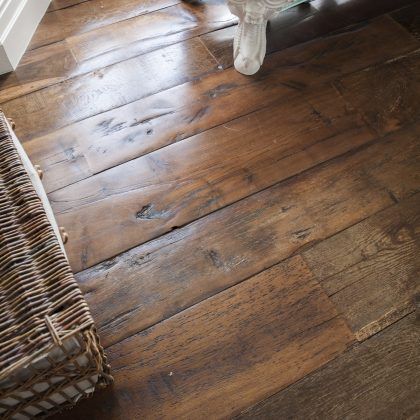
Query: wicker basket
<point x="50" y="356"/>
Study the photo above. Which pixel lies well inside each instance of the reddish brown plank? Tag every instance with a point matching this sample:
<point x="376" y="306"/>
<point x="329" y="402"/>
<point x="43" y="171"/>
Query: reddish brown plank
<point x="371" y="270"/>
<point x="100" y="142"/>
<point x="153" y="281"/>
<point x="376" y="380"/>
<point x="81" y="97"/>
<point x="96" y="49"/>
<point x="60" y="24"/>
<point x="388" y="94"/>
<point x="148" y="196"/>
<point x="225" y="353"/>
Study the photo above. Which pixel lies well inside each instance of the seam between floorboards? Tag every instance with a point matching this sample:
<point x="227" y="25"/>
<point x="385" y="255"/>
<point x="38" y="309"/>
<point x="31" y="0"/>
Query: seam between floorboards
<point x="320" y="368"/>
<point x="282" y="260"/>
<point x="284" y="180"/>
<point x="104" y="26"/>
<point x="331" y="83"/>
<point x="65" y="40"/>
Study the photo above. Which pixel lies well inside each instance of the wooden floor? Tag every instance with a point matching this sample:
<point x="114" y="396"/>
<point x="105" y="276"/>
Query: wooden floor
<point x="249" y="246"/>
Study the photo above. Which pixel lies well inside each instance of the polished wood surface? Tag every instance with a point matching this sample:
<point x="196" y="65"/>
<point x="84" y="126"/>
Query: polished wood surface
<point x="248" y="246"/>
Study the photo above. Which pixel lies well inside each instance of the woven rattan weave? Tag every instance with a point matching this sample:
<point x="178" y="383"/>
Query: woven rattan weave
<point x="50" y="356"/>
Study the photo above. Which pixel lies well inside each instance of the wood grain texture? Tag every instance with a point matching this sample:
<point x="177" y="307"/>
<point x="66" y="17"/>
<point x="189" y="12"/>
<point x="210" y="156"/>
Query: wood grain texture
<point x="145" y="131"/>
<point x="388" y="94"/>
<point x="160" y="277"/>
<point x="225" y="353"/>
<point x="86" y="16"/>
<point x="81" y="97"/>
<point x="93" y="50"/>
<point x="100" y="142"/>
<point x="371" y="269"/>
<point x="149" y="32"/>
<point x="150" y="195"/>
<point x="376" y="380"/>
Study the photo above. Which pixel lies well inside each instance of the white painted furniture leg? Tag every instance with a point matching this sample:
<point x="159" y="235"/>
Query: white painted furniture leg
<point x="250" y="39"/>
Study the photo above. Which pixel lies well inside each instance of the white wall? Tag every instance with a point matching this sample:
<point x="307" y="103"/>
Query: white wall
<point x="18" y="22"/>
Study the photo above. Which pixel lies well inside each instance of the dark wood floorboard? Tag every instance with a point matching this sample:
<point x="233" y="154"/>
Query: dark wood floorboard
<point x="82" y="17"/>
<point x="280" y="326"/>
<point x="97" y="143"/>
<point x="95" y="49"/>
<point x="375" y="380"/>
<point x="248" y="245"/>
<point x="134" y="204"/>
<point x="241" y="240"/>
<point x="371" y="269"/>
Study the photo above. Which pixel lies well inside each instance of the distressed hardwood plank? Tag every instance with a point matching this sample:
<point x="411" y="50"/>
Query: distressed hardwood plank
<point x="81" y="97"/>
<point x="124" y="133"/>
<point x="225" y="353"/>
<point x="151" y="282"/>
<point x="111" y="44"/>
<point x="187" y="180"/>
<point x="148" y="32"/>
<point x="388" y="94"/>
<point x="60" y="24"/>
<point x="371" y="270"/>
<point x="409" y="18"/>
<point x="375" y="380"/>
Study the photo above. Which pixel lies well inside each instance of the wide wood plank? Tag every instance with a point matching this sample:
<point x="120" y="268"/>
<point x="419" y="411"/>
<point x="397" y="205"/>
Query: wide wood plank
<point x="388" y="94"/>
<point x="375" y="380"/>
<point x="153" y="281"/>
<point x="148" y="32"/>
<point x="371" y="270"/>
<point x="60" y="24"/>
<point x="225" y="353"/>
<point x="100" y="142"/>
<point x="151" y="195"/>
<point x="81" y="97"/>
<point x="96" y="49"/>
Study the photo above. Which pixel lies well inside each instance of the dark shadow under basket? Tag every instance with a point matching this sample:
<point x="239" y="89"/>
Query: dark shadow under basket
<point x="50" y="355"/>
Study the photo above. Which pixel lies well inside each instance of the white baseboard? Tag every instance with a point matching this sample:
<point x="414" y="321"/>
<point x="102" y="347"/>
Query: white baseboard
<point x="18" y="22"/>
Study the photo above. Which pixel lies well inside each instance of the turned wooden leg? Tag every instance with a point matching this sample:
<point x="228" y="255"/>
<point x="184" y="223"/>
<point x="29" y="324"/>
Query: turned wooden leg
<point x="250" y="39"/>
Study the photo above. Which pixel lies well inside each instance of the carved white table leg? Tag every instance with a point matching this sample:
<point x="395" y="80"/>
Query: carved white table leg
<point x="250" y="39"/>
